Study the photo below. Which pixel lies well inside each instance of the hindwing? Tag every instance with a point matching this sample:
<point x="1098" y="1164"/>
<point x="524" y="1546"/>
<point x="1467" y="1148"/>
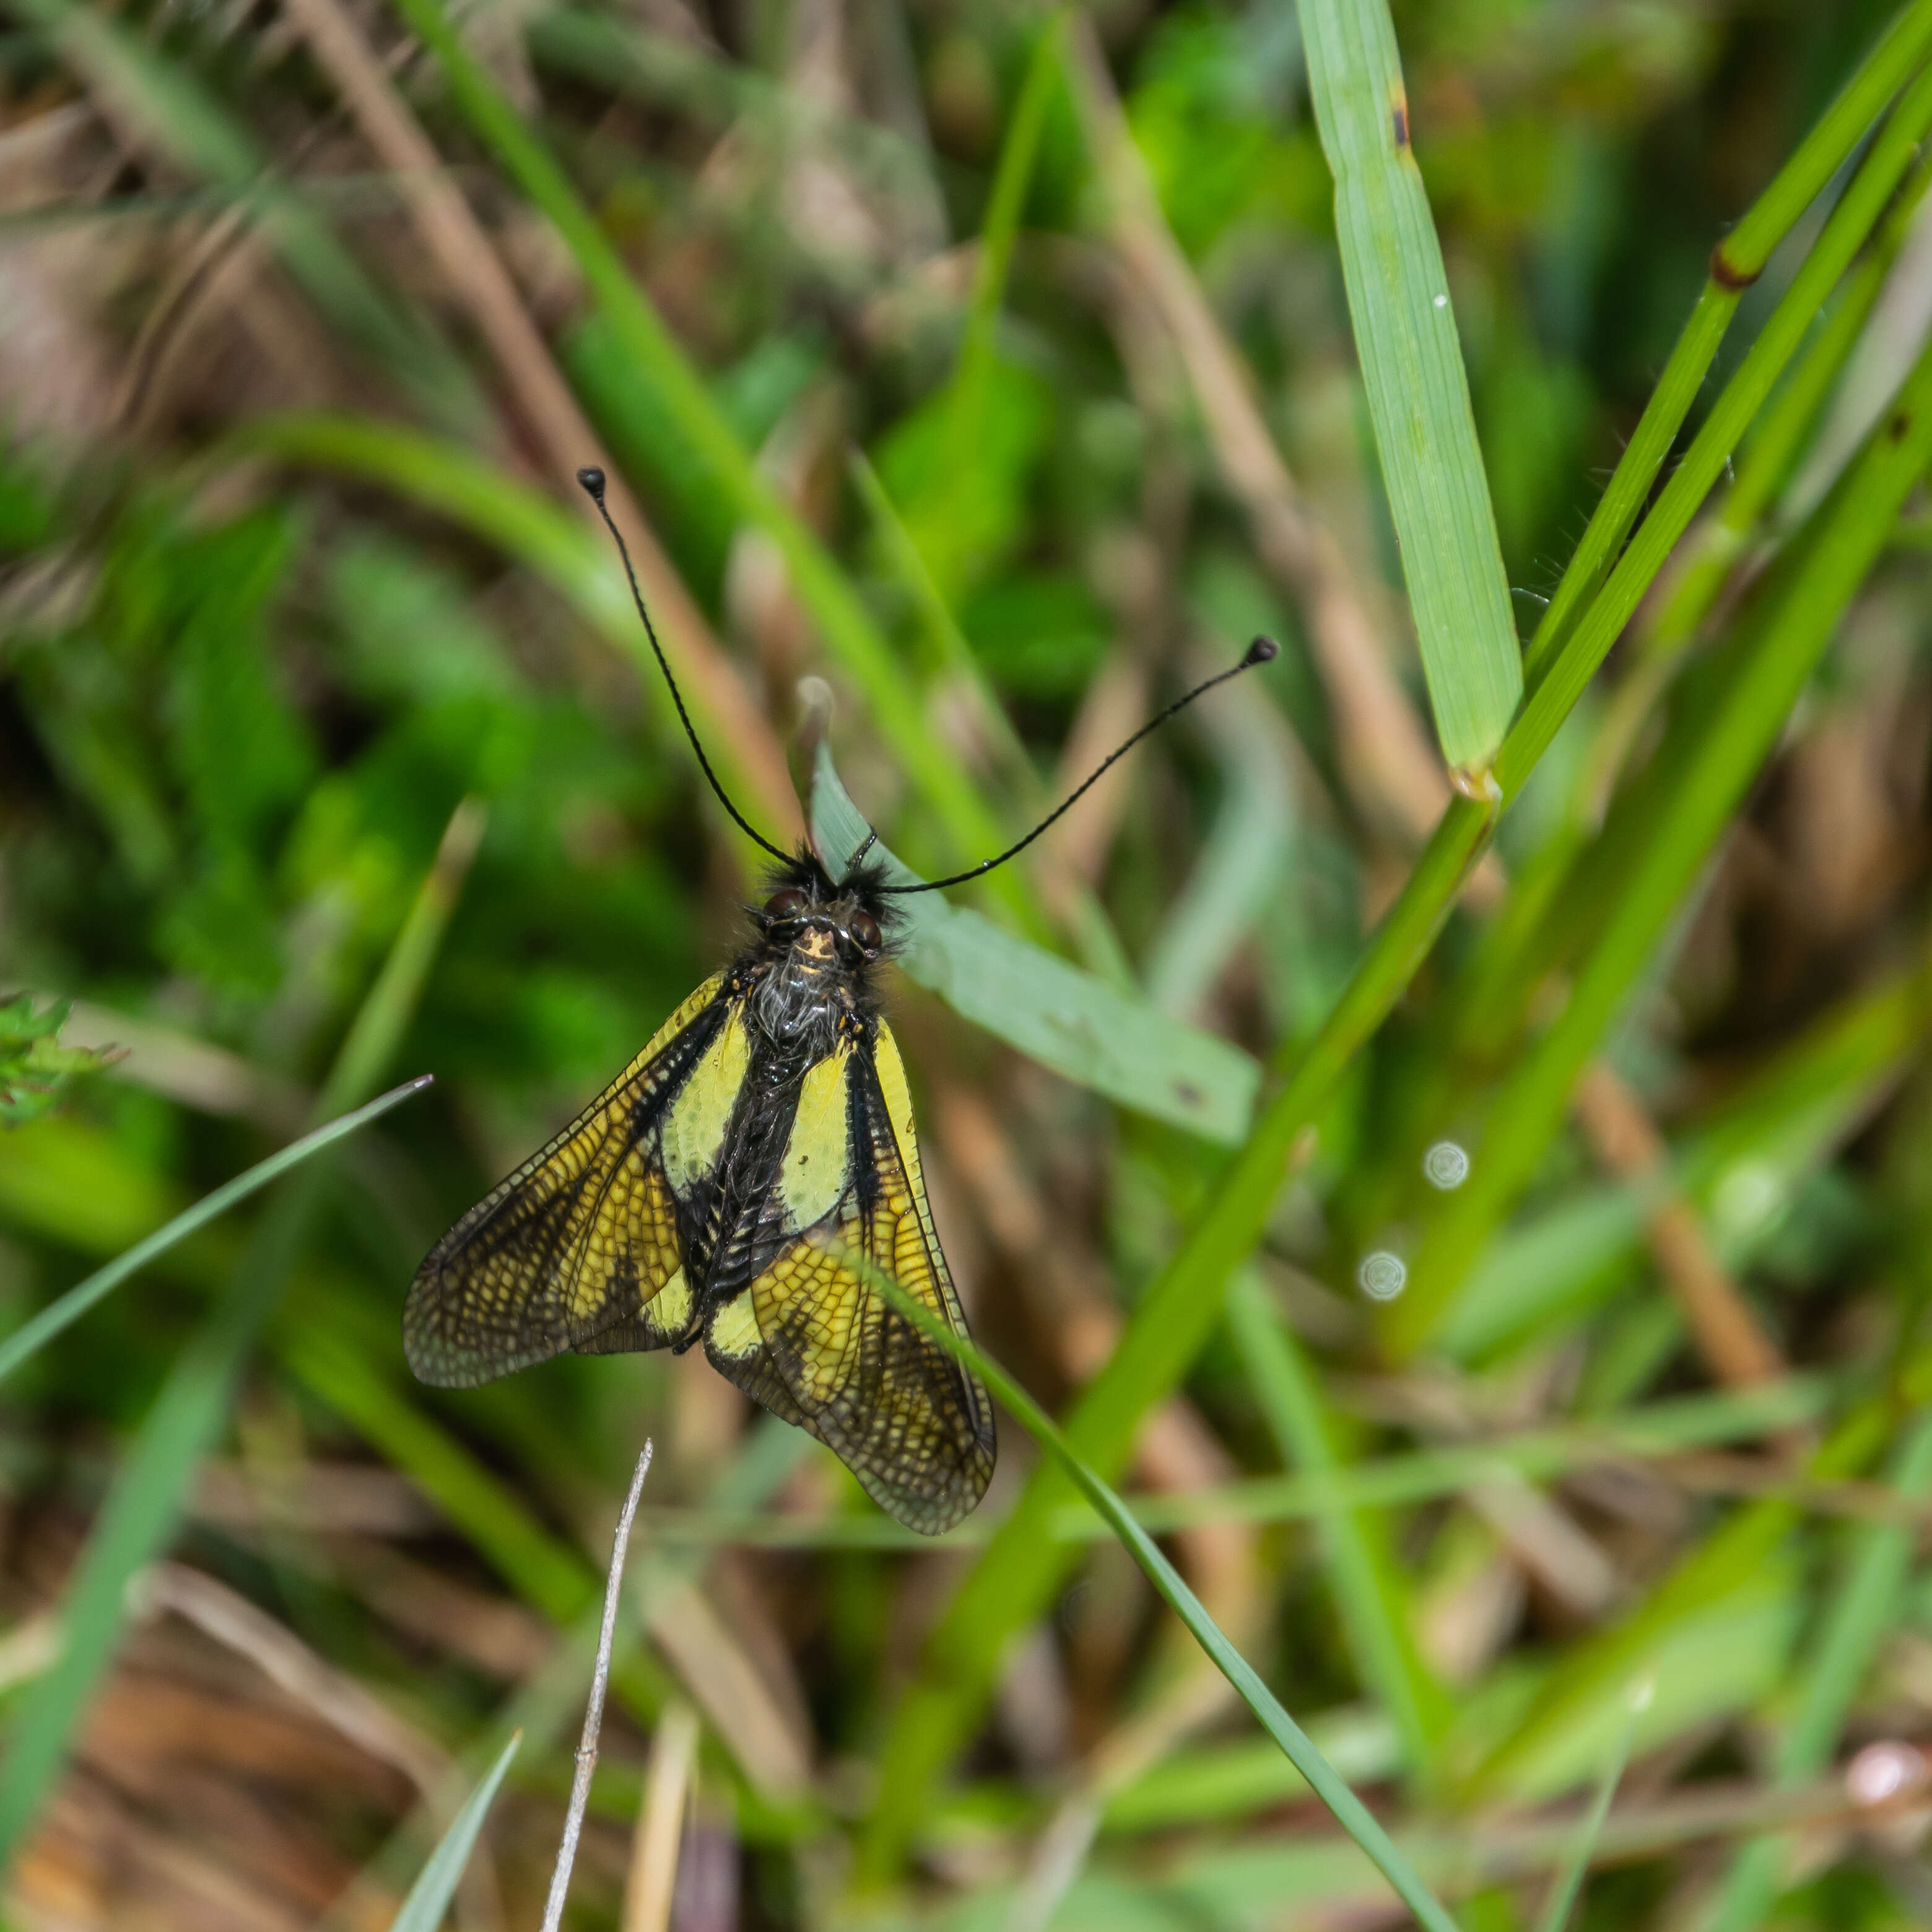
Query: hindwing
<point x="811" y="1340"/>
<point x="583" y="1247"/>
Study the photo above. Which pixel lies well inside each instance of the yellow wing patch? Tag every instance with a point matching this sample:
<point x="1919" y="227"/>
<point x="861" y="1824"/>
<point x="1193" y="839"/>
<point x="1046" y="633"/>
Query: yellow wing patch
<point x="670" y="1309"/>
<point x="734" y="1328"/>
<point x="915" y="1429"/>
<point x="696" y="1122"/>
<point x="812" y="1175"/>
<point x="570" y="1252"/>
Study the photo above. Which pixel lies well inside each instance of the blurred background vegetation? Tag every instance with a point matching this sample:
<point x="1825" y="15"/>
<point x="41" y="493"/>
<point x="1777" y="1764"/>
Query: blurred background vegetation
<point x="995" y="368"/>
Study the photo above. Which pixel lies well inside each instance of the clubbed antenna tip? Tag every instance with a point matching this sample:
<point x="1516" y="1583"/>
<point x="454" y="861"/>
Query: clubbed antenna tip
<point x="592" y="478"/>
<point x="1263" y="650"/>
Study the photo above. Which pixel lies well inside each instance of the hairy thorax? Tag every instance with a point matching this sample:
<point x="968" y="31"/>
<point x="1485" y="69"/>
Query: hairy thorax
<point x="803" y="991"/>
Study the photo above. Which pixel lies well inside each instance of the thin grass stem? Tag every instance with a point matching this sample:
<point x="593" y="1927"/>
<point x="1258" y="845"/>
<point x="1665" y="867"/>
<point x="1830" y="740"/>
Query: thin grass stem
<point x="593" y="1715"/>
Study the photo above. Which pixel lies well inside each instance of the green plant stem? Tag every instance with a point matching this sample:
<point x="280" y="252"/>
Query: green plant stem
<point x="1736" y="263"/>
<point x="1698" y="776"/>
<point x="1662" y="1430"/>
<point x="1565" y="669"/>
<point x="1725" y="539"/>
<point x="951" y="652"/>
<point x="1766" y="461"/>
<point x="1014" y="1577"/>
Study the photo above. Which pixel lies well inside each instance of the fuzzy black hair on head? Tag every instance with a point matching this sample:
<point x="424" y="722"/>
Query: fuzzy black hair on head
<point x="865" y="882"/>
<point x="803" y="872"/>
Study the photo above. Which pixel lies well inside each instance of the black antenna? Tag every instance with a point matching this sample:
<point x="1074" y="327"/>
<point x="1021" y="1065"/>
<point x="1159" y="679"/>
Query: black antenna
<point x="1260" y="651"/>
<point x="592" y="480"/>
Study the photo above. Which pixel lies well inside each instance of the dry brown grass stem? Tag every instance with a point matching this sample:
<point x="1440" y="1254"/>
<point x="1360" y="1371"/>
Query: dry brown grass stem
<point x="475" y="272"/>
<point x="343" y="1703"/>
<point x="239" y="1625"/>
<point x="1194" y="1700"/>
<point x="167" y="1060"/>
<point x="718" y="1672"/>
<point x="1627" y="1144"/>
<point x="1392" y="768"/>
<point x="653" y="1873"/>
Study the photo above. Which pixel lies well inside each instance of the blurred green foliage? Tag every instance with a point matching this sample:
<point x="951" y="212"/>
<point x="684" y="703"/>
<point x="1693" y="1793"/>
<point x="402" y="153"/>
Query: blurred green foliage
<point x="35" y="1069"/>
<point x="290" y="569"/>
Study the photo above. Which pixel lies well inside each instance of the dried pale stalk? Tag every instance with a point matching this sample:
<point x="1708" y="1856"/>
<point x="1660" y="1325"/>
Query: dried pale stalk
<point x="593" y="1716"/>
<point x="653" y="1874"/>
<point x="1627" y="1144"/>
<point x="1393" y="769"/>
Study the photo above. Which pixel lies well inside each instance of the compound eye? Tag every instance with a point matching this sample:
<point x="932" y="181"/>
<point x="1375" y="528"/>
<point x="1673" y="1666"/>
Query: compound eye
<point x="787" y="904"/>
<point x="864" y="930"/>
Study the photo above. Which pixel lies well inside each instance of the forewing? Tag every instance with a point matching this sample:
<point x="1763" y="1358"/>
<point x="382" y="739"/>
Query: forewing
<point x="577" y="1249"/>
<point x="914" y="1428"/>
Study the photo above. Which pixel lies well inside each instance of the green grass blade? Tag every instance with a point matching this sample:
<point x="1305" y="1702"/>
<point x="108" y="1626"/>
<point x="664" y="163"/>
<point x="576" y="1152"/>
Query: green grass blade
<point x="1569" y="1884"/>
<point x="1015" y="1576"/>
<point x="950" y="648"/>
<point x="1367" y="1597"/>
<point x="1661" y="1429"/>
<point x="658" y="358"/>
<point x="1245" y="868"/>
<point x="1417" y="388"/>
<point x="383" y="1017"/>
<point x="144" y="1502"/>
<point x="429" y="1897"/>
<point x="1862" y="1611"/>
<point x="1696" y="781"/>
<point x="1012" y="179"/>
<point x="33" y="1335"/>
<point x="1350" y="1813"/>
<point x="1013" y="1580"/>
<point x="1558" y="675"/>
<point x="1080" y="1025"/>
<point x="1737" y="261"/>
<point x="524" y="523"/>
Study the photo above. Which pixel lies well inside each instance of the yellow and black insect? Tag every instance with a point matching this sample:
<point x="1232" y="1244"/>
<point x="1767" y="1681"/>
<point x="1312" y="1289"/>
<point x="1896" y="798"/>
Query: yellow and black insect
<point x="719" y="1189"/>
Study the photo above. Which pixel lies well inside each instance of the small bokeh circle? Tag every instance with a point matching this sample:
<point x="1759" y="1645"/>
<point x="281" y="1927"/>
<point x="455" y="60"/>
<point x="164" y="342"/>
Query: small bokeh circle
<point x="1383" y="1275"/>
